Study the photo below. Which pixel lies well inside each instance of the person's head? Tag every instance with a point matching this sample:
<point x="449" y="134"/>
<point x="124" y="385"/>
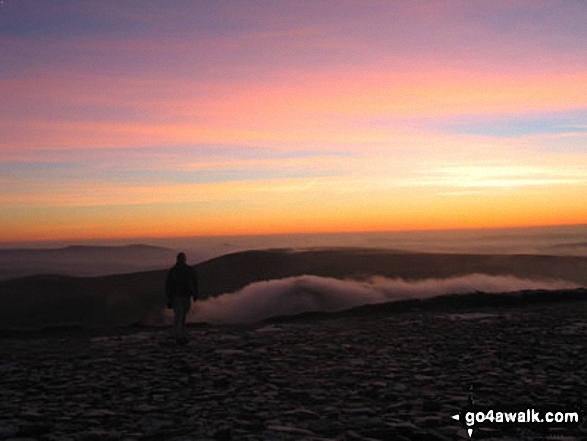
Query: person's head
<point x="181" y="259"/>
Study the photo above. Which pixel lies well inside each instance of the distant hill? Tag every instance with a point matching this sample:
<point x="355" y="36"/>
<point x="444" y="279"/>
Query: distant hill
<point x="139" y="297"/>
<point x="446" y="303"/>
<point x="573" y="246"/>
<point x="83" y="260"/>
<point x="39" y="301"/>
<point x="231" y="272"/>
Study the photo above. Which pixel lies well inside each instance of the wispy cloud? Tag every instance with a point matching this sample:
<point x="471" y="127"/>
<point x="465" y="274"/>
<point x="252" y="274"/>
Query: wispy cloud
<point x="476" y="178"/>
<point x="357" y="116"/>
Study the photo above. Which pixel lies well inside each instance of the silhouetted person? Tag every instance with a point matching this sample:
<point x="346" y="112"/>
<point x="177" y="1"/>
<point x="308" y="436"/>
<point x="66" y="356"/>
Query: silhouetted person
<point x="181" y="286"/>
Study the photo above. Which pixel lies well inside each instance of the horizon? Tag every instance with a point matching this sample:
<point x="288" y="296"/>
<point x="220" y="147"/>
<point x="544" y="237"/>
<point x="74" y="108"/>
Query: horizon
<point x="148" y="121"/>
<point x="553" y="239"/>
<point x="130" y="239"/>
<point x="135" y="240"/>
<point x="149" y="240"/>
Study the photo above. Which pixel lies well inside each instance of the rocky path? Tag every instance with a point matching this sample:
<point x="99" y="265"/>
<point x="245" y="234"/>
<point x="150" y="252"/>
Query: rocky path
<point x="396" y="378"/>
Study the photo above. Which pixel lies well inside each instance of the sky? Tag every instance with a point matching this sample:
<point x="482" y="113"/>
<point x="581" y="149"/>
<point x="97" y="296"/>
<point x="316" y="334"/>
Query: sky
<point x="194" y="118"/>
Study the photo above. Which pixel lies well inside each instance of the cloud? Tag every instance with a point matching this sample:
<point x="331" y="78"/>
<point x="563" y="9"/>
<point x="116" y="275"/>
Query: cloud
<point x="483" y="176"/>
<point x="295" y="295"/>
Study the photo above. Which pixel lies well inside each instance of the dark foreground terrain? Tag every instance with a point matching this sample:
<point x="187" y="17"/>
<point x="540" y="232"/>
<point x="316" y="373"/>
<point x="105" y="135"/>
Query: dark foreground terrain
<point x="397" y="376"/>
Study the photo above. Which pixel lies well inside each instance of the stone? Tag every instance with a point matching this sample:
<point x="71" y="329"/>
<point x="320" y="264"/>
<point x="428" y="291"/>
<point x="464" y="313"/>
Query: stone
<point x="290" y="430"/>
<point x="7" y="431"/>
<point x="398" y="377"/>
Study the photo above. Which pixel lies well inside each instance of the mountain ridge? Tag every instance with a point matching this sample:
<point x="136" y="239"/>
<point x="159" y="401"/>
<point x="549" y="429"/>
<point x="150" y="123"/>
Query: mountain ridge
<point x="123" y="299"/>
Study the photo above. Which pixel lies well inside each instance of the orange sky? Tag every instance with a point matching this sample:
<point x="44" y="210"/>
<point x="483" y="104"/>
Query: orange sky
<point x="252" y="118"/>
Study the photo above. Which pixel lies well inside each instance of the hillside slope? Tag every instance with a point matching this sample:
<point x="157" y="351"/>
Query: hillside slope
<point x="139" y="297"/>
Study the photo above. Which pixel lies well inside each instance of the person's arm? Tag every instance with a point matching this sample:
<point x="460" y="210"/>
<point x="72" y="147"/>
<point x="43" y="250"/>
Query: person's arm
<point x="195" y="283"/>
<point x="168" y="290"/>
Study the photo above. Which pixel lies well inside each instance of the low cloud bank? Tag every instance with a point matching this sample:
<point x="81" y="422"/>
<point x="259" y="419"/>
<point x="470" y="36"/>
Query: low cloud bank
<point x="294" y="295"/>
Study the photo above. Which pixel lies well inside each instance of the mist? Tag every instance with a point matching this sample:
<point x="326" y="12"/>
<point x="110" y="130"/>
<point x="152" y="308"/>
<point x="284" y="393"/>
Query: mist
<point x="294" y="295"/>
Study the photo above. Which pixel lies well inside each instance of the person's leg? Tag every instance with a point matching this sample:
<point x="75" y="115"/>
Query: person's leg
<point x="177" y="317"/>
<point x="181" y="306"/>
<point x="186" y="308"/>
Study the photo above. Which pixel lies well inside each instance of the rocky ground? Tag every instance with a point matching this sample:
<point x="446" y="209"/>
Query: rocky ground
<point x="399" y="377"/>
